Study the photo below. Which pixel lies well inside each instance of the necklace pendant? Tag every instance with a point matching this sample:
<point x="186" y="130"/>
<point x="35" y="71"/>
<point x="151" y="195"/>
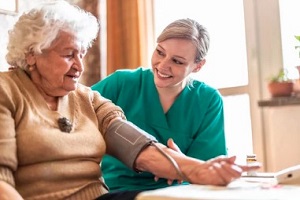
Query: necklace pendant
<point x="64" y="124"/>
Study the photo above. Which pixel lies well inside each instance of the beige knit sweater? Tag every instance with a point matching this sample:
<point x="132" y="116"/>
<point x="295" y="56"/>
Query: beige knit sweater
<point x="38" y="159"/>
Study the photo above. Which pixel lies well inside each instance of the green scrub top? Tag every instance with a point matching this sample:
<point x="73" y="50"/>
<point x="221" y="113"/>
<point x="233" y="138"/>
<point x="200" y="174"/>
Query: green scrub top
<point x="195" y="121"/>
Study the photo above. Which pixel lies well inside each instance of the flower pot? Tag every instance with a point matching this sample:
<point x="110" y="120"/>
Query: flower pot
<point x="281" y="89"/>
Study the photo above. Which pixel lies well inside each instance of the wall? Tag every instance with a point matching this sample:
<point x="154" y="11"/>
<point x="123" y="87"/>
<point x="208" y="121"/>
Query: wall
<point x="282" y="137"/>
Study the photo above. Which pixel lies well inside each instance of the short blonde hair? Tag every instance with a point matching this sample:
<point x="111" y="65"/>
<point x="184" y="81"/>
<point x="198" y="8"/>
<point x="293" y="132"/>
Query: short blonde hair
<point x="191" y="30"/>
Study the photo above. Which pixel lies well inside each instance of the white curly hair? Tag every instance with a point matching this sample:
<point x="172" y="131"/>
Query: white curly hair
<point x="37" y="28"/>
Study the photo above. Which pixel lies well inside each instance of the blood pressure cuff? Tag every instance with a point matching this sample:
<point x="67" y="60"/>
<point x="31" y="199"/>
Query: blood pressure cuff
<point x="125" y="141"/>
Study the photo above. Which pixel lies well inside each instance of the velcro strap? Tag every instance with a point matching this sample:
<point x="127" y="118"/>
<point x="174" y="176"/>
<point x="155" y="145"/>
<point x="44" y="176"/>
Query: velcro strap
<point x="125" y="141"/>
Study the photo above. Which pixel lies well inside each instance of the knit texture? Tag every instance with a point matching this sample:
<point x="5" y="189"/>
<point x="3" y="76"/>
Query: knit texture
<point x="40" y="160"/>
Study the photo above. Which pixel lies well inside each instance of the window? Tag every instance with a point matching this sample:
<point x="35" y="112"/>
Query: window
<point x="289" y="15"/>
<point x="8" y="7"/>
<point x="226" y="66"/>
<point x="227" y="54"/>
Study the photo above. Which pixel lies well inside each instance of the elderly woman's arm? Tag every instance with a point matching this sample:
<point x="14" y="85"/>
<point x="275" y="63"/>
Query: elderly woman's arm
<point x="140" y="151"/>
<point x="217" y="171"/>
<point x="7" y="192"/>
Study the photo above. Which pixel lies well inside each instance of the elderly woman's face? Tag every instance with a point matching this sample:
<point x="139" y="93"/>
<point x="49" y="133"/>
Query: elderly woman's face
<point x="58" y="69"/>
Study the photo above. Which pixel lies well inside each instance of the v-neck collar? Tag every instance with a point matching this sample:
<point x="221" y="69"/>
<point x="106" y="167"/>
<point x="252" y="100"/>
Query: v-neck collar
<point x="159" y="117"/>
<point x="64" y="108"/>
<point x="154" y="109"/>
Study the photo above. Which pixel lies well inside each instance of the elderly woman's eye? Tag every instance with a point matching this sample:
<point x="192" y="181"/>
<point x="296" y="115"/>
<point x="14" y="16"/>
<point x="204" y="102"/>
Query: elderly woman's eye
<point x="68" y="55"/>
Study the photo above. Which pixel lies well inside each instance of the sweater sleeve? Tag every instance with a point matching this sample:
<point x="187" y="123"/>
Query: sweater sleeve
<point x="8" y="149"/>
<point x="106" y="111"/>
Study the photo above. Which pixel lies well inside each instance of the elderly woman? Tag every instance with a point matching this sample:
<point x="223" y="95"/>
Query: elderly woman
<point x="55" y="131"/>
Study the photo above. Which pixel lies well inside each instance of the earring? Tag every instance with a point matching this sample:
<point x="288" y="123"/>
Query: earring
<point x="31" y="67"/>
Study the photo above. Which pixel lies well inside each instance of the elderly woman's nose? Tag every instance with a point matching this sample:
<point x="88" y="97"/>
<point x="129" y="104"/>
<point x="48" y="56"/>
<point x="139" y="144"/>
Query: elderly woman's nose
<point x="78" y="62"/>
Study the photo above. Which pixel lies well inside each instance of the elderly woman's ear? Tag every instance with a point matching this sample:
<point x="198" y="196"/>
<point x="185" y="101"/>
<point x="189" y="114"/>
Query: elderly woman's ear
<point x="30" y="59"/>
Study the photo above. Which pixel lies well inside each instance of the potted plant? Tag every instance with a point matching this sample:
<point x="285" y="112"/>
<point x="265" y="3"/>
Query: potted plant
<point x="297" y="46"/>
<point x="280" y="85"/>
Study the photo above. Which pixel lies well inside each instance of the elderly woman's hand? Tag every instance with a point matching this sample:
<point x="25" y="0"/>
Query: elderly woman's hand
<point x="217" y="171"/>
<point x="7" y="192"/>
